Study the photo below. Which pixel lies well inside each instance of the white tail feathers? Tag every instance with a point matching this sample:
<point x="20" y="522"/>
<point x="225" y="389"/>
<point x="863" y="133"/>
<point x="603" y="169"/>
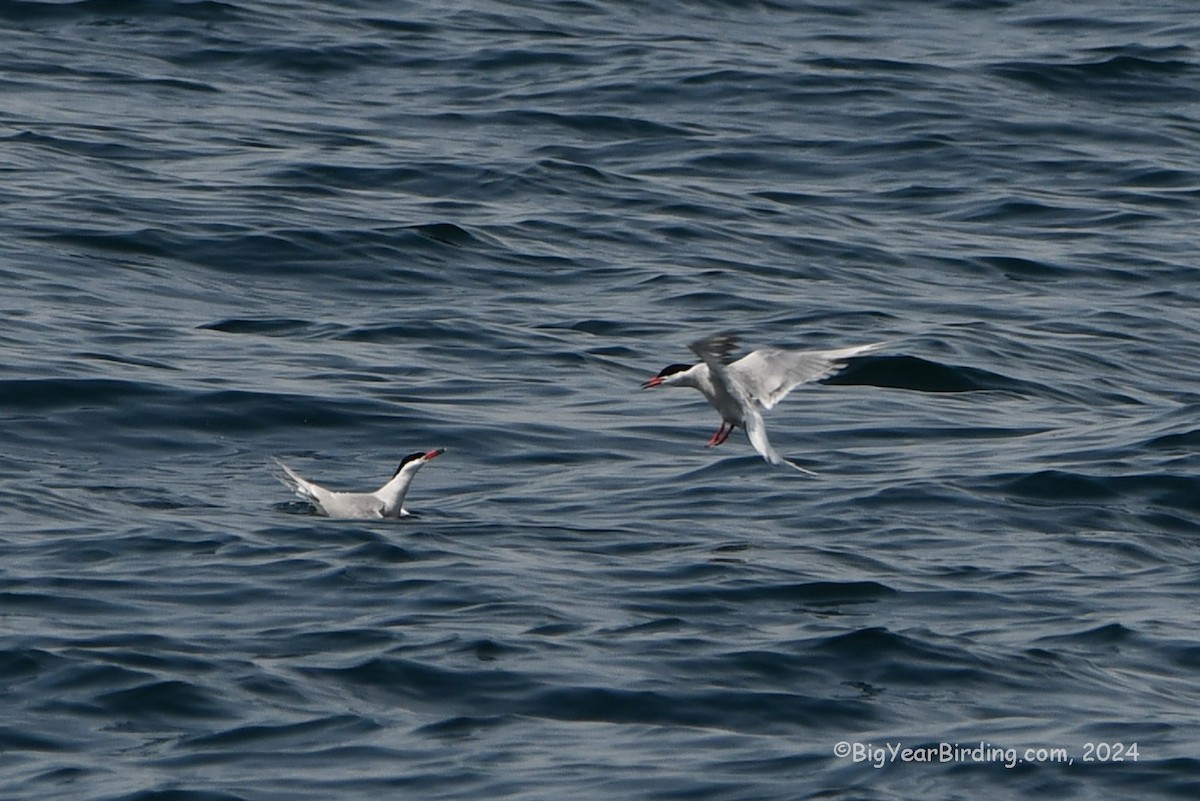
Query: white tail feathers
<point x="757" y="433"/>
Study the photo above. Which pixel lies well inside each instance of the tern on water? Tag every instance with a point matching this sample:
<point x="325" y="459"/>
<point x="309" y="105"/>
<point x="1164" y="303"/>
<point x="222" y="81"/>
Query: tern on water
<point x="387" y="501"/>
<point x="742" y="390"/>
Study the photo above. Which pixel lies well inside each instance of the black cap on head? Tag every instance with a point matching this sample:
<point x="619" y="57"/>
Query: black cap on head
<point x="412" y="457"/>
<point x="672" y="369"/>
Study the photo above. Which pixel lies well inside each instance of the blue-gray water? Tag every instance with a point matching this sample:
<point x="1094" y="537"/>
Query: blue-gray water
<point x="339" y="233"/>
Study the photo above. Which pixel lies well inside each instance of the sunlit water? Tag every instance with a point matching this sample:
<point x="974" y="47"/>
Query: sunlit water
<point x="337" y="235"/>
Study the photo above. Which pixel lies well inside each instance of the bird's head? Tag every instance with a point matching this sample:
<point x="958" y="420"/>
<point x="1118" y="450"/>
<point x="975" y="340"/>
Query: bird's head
<point x="415" y="461"/>
<point x="671" y="375"/>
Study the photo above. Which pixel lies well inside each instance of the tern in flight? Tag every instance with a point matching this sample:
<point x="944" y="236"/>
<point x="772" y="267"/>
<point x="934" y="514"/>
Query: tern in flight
<point x="742" y="390"/>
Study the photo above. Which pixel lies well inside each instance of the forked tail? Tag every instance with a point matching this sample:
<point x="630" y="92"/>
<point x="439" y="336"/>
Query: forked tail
<point x="297" y="484"/>
<point x="757" y="433"/>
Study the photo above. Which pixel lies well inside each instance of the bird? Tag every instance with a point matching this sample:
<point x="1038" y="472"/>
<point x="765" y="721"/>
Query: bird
<point x="742" y="390"/>
<point x="387" y="501"/>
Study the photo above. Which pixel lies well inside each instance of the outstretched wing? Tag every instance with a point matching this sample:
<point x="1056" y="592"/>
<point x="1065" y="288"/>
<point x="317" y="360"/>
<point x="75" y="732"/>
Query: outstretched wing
<point x="716" y="349"/>
<point x="768" y="375"/>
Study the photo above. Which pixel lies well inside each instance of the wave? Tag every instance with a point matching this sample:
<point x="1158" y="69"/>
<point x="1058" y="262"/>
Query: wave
<point x="1136" y="75"/>
<point x="199" y="10"/>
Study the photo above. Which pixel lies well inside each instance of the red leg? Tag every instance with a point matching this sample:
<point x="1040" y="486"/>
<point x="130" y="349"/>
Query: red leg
<point x="720" y="436"/>
<point x="728" y="430"/>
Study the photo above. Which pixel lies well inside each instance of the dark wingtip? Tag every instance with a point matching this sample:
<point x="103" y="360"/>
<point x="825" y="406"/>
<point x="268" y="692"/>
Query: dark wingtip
<point x="718" y="346"/>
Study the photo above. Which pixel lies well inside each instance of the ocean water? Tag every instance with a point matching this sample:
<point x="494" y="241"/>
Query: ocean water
<point x="340" y="233"/>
